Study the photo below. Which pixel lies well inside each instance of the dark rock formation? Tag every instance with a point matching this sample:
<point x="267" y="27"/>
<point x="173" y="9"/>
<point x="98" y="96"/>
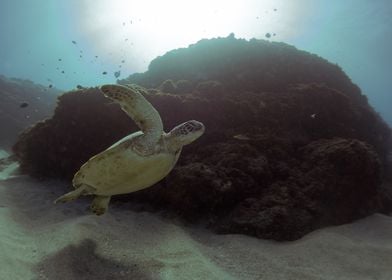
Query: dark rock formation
<point x="22" y="103"/>
<point x="275" y="162"/>
<point x="242" y="65"/>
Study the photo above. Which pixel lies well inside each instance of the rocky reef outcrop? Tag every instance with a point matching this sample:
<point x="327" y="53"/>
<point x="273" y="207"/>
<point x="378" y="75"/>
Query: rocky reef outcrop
<point x="22" y="103"/>
<point x="286" y="151"/>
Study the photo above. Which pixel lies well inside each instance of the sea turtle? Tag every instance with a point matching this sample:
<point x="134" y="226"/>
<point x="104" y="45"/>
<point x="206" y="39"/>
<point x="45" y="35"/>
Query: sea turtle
<point x="138" y="160"/>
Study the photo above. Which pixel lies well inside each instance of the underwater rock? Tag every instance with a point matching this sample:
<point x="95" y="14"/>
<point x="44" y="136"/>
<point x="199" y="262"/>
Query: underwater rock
<point x="274" y="162"/>
<point x="168" y="86"/>
<point x="35" y="101"/>
<point x="241" y="65"/>
<point x="183" y="86"/>
<point x="337" y="182"/>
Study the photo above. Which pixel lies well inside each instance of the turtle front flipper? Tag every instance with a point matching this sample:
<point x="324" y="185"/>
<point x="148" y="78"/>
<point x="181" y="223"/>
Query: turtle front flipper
<point x="100" y="204"/>
<point x="141" y="111"/>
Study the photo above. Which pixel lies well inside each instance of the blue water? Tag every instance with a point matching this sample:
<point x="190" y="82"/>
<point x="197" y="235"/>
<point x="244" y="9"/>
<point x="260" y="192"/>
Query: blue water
<point x="36" y="42"/>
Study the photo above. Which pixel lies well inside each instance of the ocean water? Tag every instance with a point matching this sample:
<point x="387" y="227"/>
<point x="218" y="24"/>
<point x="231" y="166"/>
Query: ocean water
<point x="84" y="42"/>
<point x="303" y="165"/>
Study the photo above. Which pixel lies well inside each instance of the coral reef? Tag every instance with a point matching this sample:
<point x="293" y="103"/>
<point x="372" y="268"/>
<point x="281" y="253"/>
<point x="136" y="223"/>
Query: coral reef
<point x="277" y="160"/>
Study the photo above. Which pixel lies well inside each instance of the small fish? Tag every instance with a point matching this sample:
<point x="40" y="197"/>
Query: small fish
<point x="60" y="59"/>
<point x="313" y="116"/>
<point x="96" y="56"/>
<point x="104" y="73"/>
<point x="74" y="42"/>
<point x="79" y="87"/>
<point x="63" y="71"/>
<point x="117" y="74"/>
<point x="123" y="61"/>
<point x="268" y="35"/>
<point x="23" y="105"/>
<point x="50" y="86"/>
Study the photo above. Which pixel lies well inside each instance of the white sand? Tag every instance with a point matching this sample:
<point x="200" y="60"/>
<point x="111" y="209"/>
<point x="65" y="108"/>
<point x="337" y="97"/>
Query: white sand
<point x="39" y="240"/>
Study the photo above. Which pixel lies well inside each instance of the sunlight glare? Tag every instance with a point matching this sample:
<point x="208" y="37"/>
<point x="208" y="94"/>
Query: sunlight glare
<point x="142" y="30"/>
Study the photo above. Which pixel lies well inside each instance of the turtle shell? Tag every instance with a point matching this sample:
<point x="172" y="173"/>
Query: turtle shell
<point x="119" y="169"/>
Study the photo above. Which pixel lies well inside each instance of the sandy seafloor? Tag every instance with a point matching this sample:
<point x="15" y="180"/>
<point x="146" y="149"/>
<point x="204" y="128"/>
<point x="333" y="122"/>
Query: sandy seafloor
<point x="40" y="240"/>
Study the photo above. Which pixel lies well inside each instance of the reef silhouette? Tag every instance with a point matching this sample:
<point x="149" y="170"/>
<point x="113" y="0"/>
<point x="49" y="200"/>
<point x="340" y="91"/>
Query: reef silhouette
<point x="22" y="103"/>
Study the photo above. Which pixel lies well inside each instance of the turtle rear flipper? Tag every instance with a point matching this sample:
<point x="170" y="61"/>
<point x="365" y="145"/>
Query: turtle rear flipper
<point x="83" y="189"/>
<point x="100" y="204"/>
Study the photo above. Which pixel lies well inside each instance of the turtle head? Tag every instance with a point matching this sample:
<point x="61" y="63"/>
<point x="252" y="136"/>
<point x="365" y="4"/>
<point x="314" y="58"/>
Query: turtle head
<point x="185" y="133"/>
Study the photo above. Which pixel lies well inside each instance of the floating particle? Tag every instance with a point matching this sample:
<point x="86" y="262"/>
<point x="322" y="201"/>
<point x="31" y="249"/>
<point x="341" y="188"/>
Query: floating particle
<point x="117" y="74"/>
<point x="81" y="51"/>
<point x="126" y="39"/>
<point x="268" y="35"/>
<point x="57" y="68"/>
<point x="74" y="42"/>
<point x="257" y="17"/>
<point x="80" y="56"/>
<point x="50" y="86"/>
<point x="79" y="87"/>
<point x="49" y="80"/>
<point x="42" y="64"/>
<point x="104" y="73"/>
<point x="274" y="34"/>
<point x="23" y="105"/>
